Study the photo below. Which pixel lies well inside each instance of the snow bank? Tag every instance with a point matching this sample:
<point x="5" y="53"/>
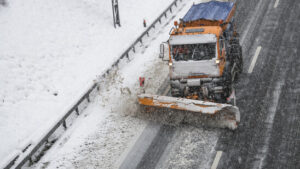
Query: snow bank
<point x="51" y="50"/>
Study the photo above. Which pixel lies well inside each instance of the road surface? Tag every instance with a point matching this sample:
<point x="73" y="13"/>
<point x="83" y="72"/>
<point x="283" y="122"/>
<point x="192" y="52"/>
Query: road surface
<point x="268" y="95"/>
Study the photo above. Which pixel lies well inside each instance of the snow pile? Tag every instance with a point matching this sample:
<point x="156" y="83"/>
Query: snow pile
<point x="51" y="50"/>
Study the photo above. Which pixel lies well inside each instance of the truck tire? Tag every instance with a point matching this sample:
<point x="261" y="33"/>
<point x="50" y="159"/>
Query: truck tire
<point x="236" y="57"/>
<point x="227" y="83"/>
<point x="240" y="60"/>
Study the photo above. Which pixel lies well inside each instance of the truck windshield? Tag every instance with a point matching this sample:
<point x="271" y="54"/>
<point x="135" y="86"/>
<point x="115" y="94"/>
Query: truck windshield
<point x="193" y="52"/>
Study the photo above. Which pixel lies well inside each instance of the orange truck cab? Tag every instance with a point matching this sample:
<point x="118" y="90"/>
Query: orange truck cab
<point x="205" y="56"/>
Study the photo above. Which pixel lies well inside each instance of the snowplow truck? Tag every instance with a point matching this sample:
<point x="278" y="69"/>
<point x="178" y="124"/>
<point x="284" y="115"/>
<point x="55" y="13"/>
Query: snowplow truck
<point x="205" y="60"/>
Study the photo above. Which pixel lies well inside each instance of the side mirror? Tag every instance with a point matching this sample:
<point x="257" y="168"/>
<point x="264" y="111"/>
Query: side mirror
<point x="164" y="51"/>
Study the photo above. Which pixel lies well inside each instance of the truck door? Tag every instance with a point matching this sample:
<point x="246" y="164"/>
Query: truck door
<point x="222" y="54"/>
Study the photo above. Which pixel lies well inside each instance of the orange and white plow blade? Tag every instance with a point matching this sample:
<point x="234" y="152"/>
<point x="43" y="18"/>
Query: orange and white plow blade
<point x="228" y="112"/>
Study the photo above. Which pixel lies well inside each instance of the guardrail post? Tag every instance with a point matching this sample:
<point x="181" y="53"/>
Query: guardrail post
<point x="64" y="124"/>
<point x="165" y="14"/>
<point x="141" y="41"/>
<point x="175" y="3"/>
<point x="30" y="161"/>
<point x="171" y="9"/>
<point x="88" y="97"/>
<point x="77" y="111"/>
<point x="127" y="55"/>
<point x="133" y="49"/>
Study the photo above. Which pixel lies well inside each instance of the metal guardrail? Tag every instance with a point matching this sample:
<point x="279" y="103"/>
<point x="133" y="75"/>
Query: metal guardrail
<point x="146" y="32"/>
<point x="17" y="163"/>
<point x="61" y="122"/>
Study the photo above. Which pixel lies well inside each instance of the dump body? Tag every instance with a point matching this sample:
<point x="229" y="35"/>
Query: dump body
<point x="212" y="13"/>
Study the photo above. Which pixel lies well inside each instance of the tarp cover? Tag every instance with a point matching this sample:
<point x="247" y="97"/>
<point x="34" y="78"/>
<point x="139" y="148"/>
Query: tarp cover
<point x="213" y="10"/>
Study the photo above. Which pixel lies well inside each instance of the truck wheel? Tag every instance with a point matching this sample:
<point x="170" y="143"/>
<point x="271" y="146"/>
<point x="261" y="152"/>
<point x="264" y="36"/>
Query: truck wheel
<point x="236" y="57"/>
<point x="240" y="60"/>
<point x="227" y="80"/>
<point x="239" y="63"/>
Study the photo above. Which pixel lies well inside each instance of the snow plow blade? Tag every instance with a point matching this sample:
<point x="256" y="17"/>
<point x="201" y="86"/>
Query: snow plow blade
<point x="225" y="115"/>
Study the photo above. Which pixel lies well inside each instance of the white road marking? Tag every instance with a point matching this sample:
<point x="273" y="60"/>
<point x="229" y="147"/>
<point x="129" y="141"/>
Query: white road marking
<point x="217" y="159"/>
<point x="254" y="59"/>
<point x="276" y="3"/>
<point x="269" y="123"/>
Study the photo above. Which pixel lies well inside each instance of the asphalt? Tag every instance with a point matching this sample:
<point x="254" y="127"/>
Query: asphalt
<point x="268" y="136"/>
<point x="268" y="98"/>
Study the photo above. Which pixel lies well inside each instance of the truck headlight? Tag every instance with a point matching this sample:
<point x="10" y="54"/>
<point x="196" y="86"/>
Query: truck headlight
<point x="170" y="63"/>
<point x="217" y="61"/>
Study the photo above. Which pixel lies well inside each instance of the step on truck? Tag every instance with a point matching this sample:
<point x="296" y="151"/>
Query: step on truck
<point x="205" y="60"/>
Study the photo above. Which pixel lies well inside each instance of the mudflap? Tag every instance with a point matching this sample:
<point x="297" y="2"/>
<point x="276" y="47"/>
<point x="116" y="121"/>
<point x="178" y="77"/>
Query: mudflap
<point x="173" y="110"/>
